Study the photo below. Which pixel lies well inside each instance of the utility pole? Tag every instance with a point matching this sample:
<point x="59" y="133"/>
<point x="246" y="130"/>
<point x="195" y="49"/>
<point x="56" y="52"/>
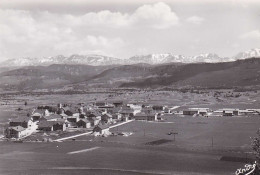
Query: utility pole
<point x="175" y="133"/>
<point x="144" y="131"/>
<point x="144" y="127"/>
<point x="212" y="143"/>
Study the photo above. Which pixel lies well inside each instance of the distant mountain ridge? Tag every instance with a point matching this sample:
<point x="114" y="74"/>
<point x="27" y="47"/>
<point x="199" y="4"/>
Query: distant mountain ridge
<point x="99" y="60"/>
<point x="93" y="60"/>
<point x="240" y="73"/>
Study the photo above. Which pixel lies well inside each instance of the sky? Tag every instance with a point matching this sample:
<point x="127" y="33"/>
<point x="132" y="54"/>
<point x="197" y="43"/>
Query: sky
<point x="124" y="28"/>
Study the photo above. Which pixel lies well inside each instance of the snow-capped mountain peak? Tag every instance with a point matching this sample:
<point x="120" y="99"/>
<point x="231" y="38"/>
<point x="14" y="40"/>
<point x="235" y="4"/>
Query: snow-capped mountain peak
<point x="99" y="60"/>
<point x="248" y="54"/>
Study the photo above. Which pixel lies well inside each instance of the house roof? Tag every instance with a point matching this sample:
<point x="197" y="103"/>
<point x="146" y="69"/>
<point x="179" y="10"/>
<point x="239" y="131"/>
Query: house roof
<point x="100" y="102"/>
<point x="194" y="110"/>
<point x="126" y="110"/>
<point x="87" y="112"/>
<point x="115" y="115"/>
<point x="84" y="120"/>
<point x="158" y="106"/>
<point x="203" y="110"/>
<point x="147" y="110"/>
<point x="105" y="126"/>
<point x="228" y="112"/>
<point x="36" y="114"/>
<point x="75" y="110"/>
<point x="21" y="119"/>
<point x="61" y="120"/>
<point x="117" y="102"/>
<point x="94" y="114"/>
<point x="93" y="119"/>
<point x="107" y="115"/>
<point x="40" y="111"/>
<point x="229" y="109"/>
<point x="66" y="108"/>
<point x="17" y="128"/>
<point x="49" y="123"/>
<point x="63" y="115"/>
<point x="143" y="114"/>
<point x="53" y="116"/>
<point x="114" y="110"/>
<point x="46" y="124"/>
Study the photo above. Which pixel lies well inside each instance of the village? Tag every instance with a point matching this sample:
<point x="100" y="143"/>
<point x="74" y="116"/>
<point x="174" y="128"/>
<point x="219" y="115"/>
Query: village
<point x="96" y="118"/>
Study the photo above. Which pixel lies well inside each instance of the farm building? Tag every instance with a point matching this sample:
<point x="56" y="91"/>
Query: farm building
<point x="36" y="116"/>
<point x="106" y="118"/>
<point x="203" y="112"/>
<point x="100" y="103"/>
<point x="125" y="119"/>
<point x="16" y="132"/>
<point x="228" y="113"/>
<point x="113" y="110"/>
<point x="190" y="111"/>
<point x="25" y="122"/>
<point x="116" y="116"/>
<point x="73" y="119"/>
<point x="51" y="126"/>
<point x="52" y="117"/>
<point x="82" y="116"/>
<point x="59" y="126"/>
<point x="246" y="112"/>
<point x="118" y="103"/>
<point x="126" y="112"/>
<point x="83" y="123"/>
<point x="255" y="111"/>
<point x="103" y="105"/>
<point x="167" y="110"/>
<point x="94" y="114"/>
<point x="146" y="116"/>
<point x="68" y="113"/>
<point x="93" y="121"/>
<point x="158" y="108"/>
<point x="44" y="112"/>
<point x="45" y="126"/>
<point x="101" y="129"/>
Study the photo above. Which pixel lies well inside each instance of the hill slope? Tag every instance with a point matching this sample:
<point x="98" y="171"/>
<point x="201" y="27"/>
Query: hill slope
<point x="53" y="76"/>
<point x="207" y="75"/>
<point x="202" y="75"/>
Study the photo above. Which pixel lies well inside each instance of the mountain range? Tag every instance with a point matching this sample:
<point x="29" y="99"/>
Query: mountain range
<point x="99" y="60"/>
<point x="240" y="73"/>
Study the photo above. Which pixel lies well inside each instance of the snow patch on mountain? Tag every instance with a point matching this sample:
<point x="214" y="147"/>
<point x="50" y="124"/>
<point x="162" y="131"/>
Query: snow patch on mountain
<point x="99" y="60"/>
<point x="248" y="54"/>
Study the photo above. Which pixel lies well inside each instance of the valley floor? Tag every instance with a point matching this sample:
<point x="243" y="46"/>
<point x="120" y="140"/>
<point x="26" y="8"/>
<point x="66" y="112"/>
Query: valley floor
<point x="198" y="148"/>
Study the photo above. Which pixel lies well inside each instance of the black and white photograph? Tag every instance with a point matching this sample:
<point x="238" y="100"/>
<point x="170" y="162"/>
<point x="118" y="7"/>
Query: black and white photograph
<point x="129" y="87"/>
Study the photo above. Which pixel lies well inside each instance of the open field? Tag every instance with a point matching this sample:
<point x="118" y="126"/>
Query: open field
<point x="190" y="153"/>
<point x="53" y="158"/>
<point x="197" y="149"/>
<point x="227" y="134"/>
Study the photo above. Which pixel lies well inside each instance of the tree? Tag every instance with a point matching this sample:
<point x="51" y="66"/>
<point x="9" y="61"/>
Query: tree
<point x="256" y="148"/>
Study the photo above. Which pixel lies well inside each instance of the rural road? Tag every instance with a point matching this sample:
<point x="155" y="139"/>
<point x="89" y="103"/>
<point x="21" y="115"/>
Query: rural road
<point x="87" y="133"/>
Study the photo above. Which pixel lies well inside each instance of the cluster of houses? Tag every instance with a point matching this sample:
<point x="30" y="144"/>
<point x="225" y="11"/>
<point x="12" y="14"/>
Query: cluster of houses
<point x="97" y="116"/>
<point x="220" y="112"/>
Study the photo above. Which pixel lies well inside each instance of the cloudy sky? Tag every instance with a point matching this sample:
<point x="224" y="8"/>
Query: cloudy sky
<point x="123" y="28"/>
